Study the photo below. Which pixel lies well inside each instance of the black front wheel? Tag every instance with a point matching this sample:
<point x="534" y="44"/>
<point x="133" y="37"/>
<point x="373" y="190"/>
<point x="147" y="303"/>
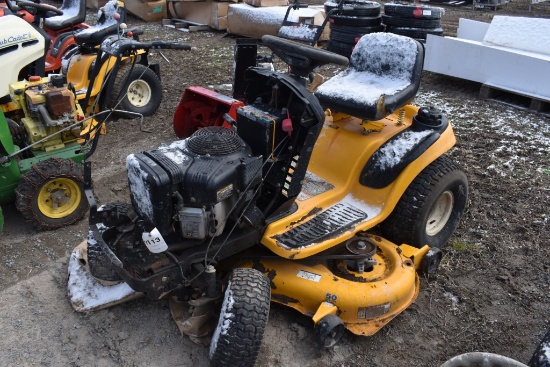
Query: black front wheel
<point x="430" y="209"/>
<point x="136" y="89"/>
<point x="243" y="317"/>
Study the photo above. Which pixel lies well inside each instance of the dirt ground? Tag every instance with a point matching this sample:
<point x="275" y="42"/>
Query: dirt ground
<point x="491" y="293"/>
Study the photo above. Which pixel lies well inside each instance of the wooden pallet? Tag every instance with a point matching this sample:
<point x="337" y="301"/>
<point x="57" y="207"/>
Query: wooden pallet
<point x="514" y="99"/>
<point x="184" y="25"/>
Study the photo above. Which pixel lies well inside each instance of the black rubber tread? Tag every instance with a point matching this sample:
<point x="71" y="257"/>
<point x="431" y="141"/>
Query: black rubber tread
<point x="112" y="215"/>
<point x="410" y="22"/>
<point x="244" y="320"/>
<point x="418" y="33"/>
<point x="413" y="11"/>
<point x="355" y="7"/>
<point x="355" y="21"/>
<point x="26" y="194"/>
<point x="351" y="38"/>
<point x="120" y="87"/>
<point x="356" y="30"/>
<point x="341" y="48"/>
<point x="407" y="222"/>
<point x="541" y="357"/>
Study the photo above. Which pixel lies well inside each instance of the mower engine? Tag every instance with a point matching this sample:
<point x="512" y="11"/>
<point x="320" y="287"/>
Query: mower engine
<point x="49" y="106"/>
<point x="193" y="186"/>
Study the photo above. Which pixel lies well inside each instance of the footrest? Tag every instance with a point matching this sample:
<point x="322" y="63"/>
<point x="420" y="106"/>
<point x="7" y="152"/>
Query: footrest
<point x="330" y="223"/>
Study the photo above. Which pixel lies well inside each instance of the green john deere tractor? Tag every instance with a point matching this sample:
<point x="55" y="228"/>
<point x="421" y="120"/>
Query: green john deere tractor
<point x="42" y="130"/>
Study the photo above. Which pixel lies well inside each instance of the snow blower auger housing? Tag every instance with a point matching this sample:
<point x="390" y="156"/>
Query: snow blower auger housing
<point x="280" y="206"/>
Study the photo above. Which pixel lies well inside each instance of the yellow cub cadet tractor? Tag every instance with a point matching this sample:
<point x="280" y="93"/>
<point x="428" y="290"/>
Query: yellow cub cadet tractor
<point x="330" y="203"/>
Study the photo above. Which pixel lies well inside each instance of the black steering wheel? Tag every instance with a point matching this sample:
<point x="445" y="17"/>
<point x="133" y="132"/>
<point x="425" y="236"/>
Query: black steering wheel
<point x="302" y="59"/>
<point x="43" y="10"/>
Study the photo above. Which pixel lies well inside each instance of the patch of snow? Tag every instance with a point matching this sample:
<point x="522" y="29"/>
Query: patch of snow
<point x="381" y="64"/>
<point x="225" y="319"/>
<point x="519" y="33"/>
<point x="271" y="15"/>
<point x="544" y="355"/>
<point x="175" y="155"/>
<point x="393" y="152"/>
<point x="522" y="135"/>
<point x="454" y="299"/>
<point x="88" y="293"/>
<point x="178" y="144"/>
<point x="372" y="211"/>
<point x="105" y="17"/>
<point x="298" y="32"/>
<point x="139" y="187"/>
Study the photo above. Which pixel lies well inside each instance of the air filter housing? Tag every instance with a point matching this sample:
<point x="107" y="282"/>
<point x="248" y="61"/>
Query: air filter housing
<point x="211" y="166"/>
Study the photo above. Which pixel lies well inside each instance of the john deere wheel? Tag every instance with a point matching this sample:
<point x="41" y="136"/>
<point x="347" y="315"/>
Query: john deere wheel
<point x="51" y="194"/>
<point x="430" y="209"/>
<point x="238" y="336"/>
<point x="138" y="89"/>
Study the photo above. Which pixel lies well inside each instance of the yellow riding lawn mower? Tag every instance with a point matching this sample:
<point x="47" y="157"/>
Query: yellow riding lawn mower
<point x="330" y="203"/>
<point x="135" y="88"/>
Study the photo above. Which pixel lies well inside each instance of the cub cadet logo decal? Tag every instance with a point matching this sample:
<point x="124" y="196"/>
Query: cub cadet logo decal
<point x="308" y="276"/>
<point x="16" y="39"/>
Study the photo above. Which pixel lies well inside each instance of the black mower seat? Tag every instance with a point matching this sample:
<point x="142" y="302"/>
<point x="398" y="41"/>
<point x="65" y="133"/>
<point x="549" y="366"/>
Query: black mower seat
<point x="383" y="75"/>
<point x="106" y="24"/>
<point x="74" y="12"/>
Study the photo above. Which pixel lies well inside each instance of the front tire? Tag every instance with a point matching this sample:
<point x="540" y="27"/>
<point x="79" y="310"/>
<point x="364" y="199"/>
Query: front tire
<point x="136" y="90"/>
<point x="51" y="194"/>
<point x="430" y="209"/>
<point x="243" y="317"/>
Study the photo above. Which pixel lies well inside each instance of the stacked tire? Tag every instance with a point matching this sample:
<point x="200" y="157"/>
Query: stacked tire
<point x="350" y="22"/>
<point x="413" y="20"/>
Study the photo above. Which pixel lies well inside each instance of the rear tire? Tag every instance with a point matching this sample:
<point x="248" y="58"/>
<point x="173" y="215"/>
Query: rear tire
<point x="410" y="22"/>
<point x="417" y="33"/>
<point x="413" y="11"/>
<point x="355" y="21"/>
<point x="51" y="194"/>
<point x="430" y="209"/>
<point x="243" y="317"/>
<point x="355" y="7"/>
<point x="138" y="89"/>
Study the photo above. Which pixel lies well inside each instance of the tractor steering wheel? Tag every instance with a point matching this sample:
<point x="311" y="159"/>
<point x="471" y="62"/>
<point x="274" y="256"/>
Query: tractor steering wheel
<point x="302" y="59"/>
<point x="43" y="10"/>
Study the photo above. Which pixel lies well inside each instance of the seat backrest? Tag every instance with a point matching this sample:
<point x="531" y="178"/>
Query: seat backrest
<point x="383" y="75"/>
<point x="106" y="24"/>
<point x="74" y="12"/>
<point x="383" y="54"/>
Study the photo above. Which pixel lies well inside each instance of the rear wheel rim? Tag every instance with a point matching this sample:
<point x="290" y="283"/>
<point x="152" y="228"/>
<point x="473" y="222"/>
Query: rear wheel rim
<point x="440" y="213"/>
<point x="59" y="197"/>
<point x="139" y="93"/>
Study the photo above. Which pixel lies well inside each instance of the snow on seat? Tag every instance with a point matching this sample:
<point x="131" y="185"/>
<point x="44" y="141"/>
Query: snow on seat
<point x="106" y="24"/>
<point x="74" y="12"/>
<point x="383" y="75"/>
